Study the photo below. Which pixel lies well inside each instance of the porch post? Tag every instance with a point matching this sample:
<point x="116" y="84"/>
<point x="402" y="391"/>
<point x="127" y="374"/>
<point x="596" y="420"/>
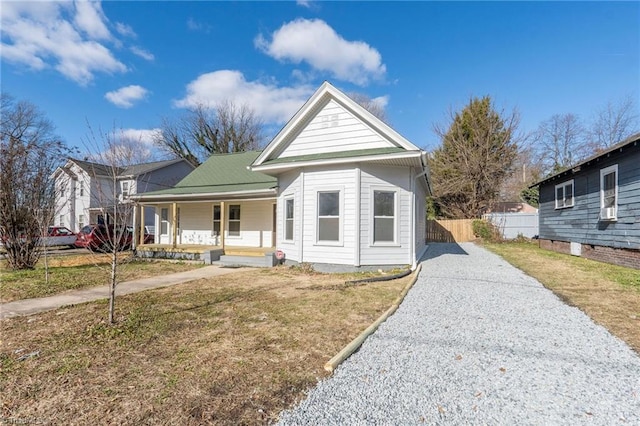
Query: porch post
<point x="141" y="235"/>
<point x="174" y="233"/>
<point x="222" y="224"/>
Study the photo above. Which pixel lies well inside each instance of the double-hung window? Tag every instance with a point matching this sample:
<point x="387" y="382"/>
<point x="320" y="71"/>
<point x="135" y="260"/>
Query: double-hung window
<point x="609" y="192"/>
<point x="216" y="220"/>
<point x="234" y="220"/>
<point x="288" y="219"/>
<point x="328" y="216"/>
<point x="564" y="195"/>
<point x="124" y="189"/>
<point x="384" y="216"/>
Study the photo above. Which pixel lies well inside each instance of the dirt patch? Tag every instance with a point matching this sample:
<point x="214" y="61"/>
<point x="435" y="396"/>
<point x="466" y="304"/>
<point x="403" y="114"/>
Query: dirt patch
<point x="236" y="349"/>
<point x="609" y="294"/>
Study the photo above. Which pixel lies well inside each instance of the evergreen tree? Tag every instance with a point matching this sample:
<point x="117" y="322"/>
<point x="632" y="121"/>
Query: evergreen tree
<point x="477" y="152"/>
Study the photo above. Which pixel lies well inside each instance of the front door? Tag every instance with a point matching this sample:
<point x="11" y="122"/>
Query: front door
<point x="165" y="237"/>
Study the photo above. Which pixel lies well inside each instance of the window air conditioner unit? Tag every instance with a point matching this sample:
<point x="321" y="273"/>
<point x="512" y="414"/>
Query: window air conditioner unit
<point x="608" y="213"/>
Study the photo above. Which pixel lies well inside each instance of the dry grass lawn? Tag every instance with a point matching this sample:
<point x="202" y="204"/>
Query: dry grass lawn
<point x="609" y="294"/>
<point x="237" y="349"/>
<point x="77" y="271"/>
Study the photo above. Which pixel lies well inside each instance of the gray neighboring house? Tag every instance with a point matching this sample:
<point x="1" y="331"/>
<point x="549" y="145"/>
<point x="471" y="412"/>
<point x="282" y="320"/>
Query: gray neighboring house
<point x="593" y="209"/>
<point x="84" y="188"/>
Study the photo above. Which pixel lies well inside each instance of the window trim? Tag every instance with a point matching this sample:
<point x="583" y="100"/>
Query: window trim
<point x="372" y="217"/>
<point x="125" y="193"/>
<point x="229" y="220"/>
<point x="214" y="220"/>
<point x="604" y="172"/>
<point x="563" y="185"/>
<point x="288" y="198"/>
<point x="164" y="220"/>
<point x="330" y="243"/>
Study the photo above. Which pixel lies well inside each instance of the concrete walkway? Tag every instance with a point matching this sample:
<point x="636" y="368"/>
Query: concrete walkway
<point x="34" y="306"/>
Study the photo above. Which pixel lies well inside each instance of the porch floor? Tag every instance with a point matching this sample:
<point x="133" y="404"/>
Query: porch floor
<point x="200" y="248"/>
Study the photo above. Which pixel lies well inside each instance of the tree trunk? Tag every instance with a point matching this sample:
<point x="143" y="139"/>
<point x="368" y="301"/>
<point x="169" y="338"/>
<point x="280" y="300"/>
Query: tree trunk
<point x="112" y="285"/>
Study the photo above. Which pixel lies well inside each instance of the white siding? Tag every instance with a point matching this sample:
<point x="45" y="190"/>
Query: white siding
<point x="290" y="186"/>
<point x="196" y="223"/>
<point x="334" y="129"/>
<point x="256" y="222"/>
<point x="327" y="180"/>
<point x="386" y="178"/>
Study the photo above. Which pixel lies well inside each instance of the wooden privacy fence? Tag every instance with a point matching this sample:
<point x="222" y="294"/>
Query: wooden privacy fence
<point x="450" y="231"/>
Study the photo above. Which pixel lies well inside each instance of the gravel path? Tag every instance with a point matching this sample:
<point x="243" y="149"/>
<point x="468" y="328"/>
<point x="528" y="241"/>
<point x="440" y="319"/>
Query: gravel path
<point x="477" y="341"/>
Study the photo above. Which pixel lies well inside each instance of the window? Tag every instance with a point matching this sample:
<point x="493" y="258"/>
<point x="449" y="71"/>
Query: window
<point x="216" y="220"/>
<point x="329" y="216"/>
<point x="81" y="189"/>
<point x="81" y="221"/>
<point x="609" y="192"/>
<point x="61" y="221"/>
<point x="125" y="188"/>
<point x="63" y="189"/>
<point x="384" y="216"/>
<point x="564" y="195"/>
<point x="164" y="221"/>
<point x="288" y="219"/>
<point x="234" y="220"/>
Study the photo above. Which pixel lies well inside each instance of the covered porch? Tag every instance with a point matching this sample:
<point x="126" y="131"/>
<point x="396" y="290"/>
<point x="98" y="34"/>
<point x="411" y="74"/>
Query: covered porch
<point x="229" y="231"/>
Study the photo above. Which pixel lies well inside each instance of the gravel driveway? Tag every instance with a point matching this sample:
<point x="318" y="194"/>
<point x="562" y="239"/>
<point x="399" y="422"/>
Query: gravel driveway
<point x="477" y="341"/>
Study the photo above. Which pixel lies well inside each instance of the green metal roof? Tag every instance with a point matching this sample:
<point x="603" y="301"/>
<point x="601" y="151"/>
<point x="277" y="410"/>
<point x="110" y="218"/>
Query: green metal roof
<point x="221" y="173"/>
<point x="336" y="155"/>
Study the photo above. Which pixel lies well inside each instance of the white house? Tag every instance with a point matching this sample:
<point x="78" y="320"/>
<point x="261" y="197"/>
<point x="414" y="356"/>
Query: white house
<point x="336" y="186"/>
<point x="351" y="190"/>
<point x="84" y="190"/>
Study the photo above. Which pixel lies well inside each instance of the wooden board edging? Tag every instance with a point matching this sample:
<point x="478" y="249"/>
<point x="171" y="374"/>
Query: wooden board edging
<point x="353" y="346"/>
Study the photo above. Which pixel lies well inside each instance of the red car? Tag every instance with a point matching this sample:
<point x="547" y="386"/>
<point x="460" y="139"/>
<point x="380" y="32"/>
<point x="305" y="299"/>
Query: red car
<point x="104" y="237"/>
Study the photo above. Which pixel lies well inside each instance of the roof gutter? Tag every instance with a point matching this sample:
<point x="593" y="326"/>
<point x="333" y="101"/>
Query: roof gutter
<point x="203" y="196"/>
<point x="305" y="163"/>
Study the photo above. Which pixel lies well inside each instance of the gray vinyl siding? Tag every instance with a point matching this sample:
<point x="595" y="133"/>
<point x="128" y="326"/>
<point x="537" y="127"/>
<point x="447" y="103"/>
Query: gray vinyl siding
<point x="581" y="223"/>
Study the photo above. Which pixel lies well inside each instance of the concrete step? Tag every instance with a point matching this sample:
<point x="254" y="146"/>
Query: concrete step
<point x="265" y="261"/>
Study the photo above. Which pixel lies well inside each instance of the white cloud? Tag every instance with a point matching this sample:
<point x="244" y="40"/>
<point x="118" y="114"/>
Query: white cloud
<point x="144" y="54"/>
<point x="141" y="136"/>
<point x="316" y="43"/>
<point x="126" y="96"/>
<point x="381" y="101"/>
<point x="271" y="103"/>
<point x="304" y="3"/>
<point x="69" y="37"/>
<point x="90" y="19"/>
<point x="125" y="30"/>
<point x="194" y="25"/>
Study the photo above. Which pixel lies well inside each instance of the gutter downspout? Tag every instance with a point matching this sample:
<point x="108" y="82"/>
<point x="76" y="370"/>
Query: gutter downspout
<point x="414" y="181"/>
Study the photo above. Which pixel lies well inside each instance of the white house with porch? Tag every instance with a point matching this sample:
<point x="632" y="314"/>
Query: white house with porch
<point x="336" y="186"/>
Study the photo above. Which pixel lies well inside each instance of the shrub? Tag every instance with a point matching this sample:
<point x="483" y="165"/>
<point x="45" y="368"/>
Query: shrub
<point x="486" y="231"/>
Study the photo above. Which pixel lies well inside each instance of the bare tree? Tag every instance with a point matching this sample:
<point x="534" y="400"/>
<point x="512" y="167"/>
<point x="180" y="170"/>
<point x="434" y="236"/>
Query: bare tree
<point x="374" y="106"/>
<point x="477" y="152"/>
<point x="613" y="123"/>
<point x="29" y="153"/>
<point x="560" y="142"/>
<point x="527" y="169"/>
<point x="203" y="131"/>
<point x="112" y="210"/>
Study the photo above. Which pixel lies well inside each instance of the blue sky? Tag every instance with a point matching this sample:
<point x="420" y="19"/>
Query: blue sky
<point x="126" y="65"/>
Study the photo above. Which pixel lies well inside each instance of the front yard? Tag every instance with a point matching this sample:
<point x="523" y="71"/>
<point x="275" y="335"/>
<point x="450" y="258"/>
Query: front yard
<point x="236" y="349"/>
<point x="609" y="294"/>
<point x="76" y="272"/>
